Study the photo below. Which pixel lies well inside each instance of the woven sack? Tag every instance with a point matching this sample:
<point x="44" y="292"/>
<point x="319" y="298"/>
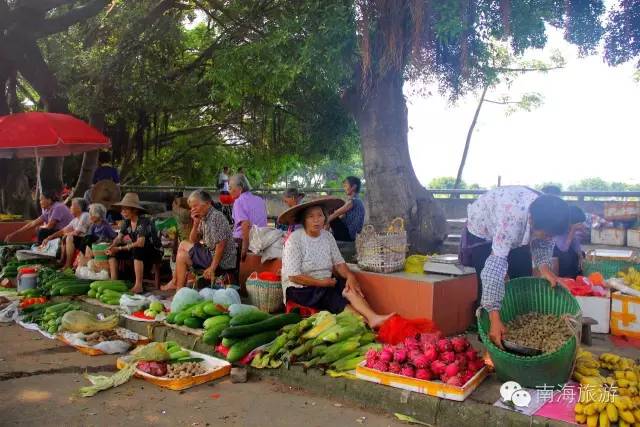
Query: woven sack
<point x="382" y="252"/>
<point x="265" y="294"/>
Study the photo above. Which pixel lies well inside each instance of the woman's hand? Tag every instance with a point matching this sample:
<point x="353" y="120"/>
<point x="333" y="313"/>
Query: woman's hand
<point x="9" y="237"/>
<point x="208" y="273"/>
<point x="45" y="241"/>
<point x="352" y="285"/>
<point x="329" y="282"/>
<point x="497" y="329"/>
<point x="112" y="250"/>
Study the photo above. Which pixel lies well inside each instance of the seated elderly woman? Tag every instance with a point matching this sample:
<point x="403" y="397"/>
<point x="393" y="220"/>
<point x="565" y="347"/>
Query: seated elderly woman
<point x="137" y="240"/>
<point x="73" y="234"/>
<point x="314" y="274"/>
<point x="216" y="253"/>
<point x="100" y="231"/>
<point x="292" y="197"/>
<point x="248" y="210"/>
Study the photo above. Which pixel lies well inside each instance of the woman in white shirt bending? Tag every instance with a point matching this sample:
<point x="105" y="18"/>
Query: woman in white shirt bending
<point x="73" y="234"/>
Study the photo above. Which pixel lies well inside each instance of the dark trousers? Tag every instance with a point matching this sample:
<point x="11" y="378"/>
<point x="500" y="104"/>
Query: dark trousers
<point x="519" y="259"/>
<point x="43" y="233"/>
<point x="568" y="263"/>
<point x="340" y="231"/>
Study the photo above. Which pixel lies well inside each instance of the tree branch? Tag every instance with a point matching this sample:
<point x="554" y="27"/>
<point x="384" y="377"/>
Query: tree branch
<point x="502" y="102"/>
<point x="523" y="70"/>
<point x="43" y="5"/>
<point x="61" y="23"/>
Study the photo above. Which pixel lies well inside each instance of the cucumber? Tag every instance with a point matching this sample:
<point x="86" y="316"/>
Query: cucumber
<point x="212" y="309"/>
<point x="212" y="335"/>
<point x="57" y="307"/>
<point x="172" y="346"/>
<point x="187" y="359"/>
<point x="215" y="321"/>
<point x="272" y="324"/>
<point x="249" y="317"/>
<point x="228" y="342"/>
<point x="180" y="354"/>
<point x="91" y="293"/>
<point x="108" y="284"/>
<point x="192" y="322"/>
<point x="180" y="317"/>
<point x="243" y="347"/>
<point x="171" y="318"/>
<point x="197" y="311"/>
<point x="74" y="290"/>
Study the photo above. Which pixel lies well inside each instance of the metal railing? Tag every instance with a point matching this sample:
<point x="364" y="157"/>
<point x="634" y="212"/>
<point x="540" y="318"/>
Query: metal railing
<point x="575" y="195"/>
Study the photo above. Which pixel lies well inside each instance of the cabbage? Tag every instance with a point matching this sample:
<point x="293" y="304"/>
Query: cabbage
<point x="184" y="297"/>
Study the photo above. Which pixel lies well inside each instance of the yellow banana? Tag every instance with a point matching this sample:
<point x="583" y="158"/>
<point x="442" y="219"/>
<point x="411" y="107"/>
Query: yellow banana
<point x="588" y="372"/>
<point x="612" y="412"/>
<point x="619" y="403"/>
<point x="590" y="409"/>
<point x="636" y="415"/>
<point x="601" y="406"/>
<point x="623" y="423"/>
<point x="592" y="421"/>
<point x="581" y="419"/>
<point x="604" y="420"/>
<point x="627" y="416"/>
<point x="579" y="409"/>
<point x="593" y="381"/>
<point x="623" y="383"/>
<point x="631" y="376"/>
<point x="619" y="375"/>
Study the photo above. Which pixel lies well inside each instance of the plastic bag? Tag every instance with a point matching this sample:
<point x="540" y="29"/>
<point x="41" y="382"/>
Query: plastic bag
<point x="184" y="297"/>
<point x="235" y="309"/>
<point x="207" y="293"/>
<point x="132" y="303"/>
<point x="397" y="328"/>
<point x="226" y="296"/>
<point x="9" y="313"/>
<point x="415" y="264"/>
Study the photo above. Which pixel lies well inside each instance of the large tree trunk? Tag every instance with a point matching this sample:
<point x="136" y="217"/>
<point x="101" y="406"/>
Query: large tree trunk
<point x="393" y="189"/>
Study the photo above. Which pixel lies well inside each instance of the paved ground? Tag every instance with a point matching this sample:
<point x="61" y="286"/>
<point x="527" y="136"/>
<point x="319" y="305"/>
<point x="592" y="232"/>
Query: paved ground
<point x="38" y="378"/>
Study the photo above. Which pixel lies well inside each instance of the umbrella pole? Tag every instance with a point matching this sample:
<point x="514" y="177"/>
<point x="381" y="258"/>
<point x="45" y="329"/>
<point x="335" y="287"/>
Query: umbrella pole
<point x="38" y="181"/>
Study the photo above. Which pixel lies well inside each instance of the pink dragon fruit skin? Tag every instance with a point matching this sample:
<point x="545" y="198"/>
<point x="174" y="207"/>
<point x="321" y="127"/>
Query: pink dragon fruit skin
<point x="459" y="344"/>
<point x="452" y="369"/>
<point x="471" y="354"/>
<point x="408" y="371"/>
<point x="395" y="368"/>
<point x="411" y="343"/>
<point x="421" y="361"/>
<point x="400" y="355"/>
<point x="475" y="365"/>
<point x="448" y="357"/>
<point x="371" y="363"/>
<point x="461" y="360"/>
<point x="437" y="367"/>
<point x="430" y="353"/>
<point x="466" y="376"/>
<point x="444" y="345"/>
<point x="381" y="366"/>
<point x="430" y="338"/>
<point x="455" y="381"/>
<point x="424" y="374"/>
<point x="372" y="354"/>
<point x="386" y="355"/>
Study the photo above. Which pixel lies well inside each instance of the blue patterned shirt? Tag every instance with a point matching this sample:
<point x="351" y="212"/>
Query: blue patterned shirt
<point x="354" y="218"/>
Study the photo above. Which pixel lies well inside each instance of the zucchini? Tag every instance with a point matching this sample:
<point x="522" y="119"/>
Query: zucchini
<point x="179" y="319"/>
<point x="249" y="317"/>
<point x="245" y="346"/>
<point x="197" y="311"/>
<point x="272" y="324"/>
<point x="215" y="321"/>
<point x="212" y="309"/>
<point x="192" y="322"/>
<point x="212" y="335"/>
<point x="57" y="307"/>
<point x="171" y="318"/>
<point x="180" y="354"/>
<point x="187" y="359"/>
<point x="91" y="293"/>
<point x="108" y="284"/>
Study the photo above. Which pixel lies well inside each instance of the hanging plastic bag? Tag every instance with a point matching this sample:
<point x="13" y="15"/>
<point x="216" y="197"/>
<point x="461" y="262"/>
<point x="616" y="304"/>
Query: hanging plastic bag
<point x="226" y="296"/>
<point x="132" y="303"/>
<point x="396" y="328"/>
<point x="184" y="297"/>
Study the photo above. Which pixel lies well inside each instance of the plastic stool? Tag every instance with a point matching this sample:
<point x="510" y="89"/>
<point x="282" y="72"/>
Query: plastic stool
<point x="304" y="310"/>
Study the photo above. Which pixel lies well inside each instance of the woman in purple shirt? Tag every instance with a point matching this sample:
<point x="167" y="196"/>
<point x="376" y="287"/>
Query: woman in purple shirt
<point x="55" y="216"/>
<point x="248" y="210"/>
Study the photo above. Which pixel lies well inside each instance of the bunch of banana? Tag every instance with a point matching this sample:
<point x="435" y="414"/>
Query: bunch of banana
<point x="631" y="277"/>
<point x="605" y="409"/>
<point x="587" y="370"/>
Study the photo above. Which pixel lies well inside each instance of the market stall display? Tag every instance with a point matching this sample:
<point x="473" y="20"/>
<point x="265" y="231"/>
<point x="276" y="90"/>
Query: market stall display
<point x="48" y="315"/>
<point x="62" y="283"/>
<point x="110" y="341"/>
<point x="109" y="291"/>
<point x="621" y="406"/>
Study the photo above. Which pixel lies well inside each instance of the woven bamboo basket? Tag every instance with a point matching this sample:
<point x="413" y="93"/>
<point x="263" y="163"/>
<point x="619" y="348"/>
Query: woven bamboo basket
<point x="265" y="294"/>
<point x="385" y="251"/>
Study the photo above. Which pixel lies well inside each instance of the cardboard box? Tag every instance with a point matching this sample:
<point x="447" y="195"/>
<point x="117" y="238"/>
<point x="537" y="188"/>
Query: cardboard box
<point x="432" y="388"/>
<point x="621" y="211"/>
<point x="599" y="309"/>
<point x="625" y="315"/>
<point x="633" y="238"/>
<point x="608" y="236"/>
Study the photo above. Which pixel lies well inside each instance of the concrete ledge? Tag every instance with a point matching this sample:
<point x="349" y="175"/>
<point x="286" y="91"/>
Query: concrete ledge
<point x="477" y="410"/>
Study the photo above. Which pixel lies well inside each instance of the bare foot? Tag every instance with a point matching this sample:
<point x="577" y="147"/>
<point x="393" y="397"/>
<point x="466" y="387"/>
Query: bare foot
<point x="137" y="289"/>
<point x="379" y="319"/>
<point x="168" y="287"/>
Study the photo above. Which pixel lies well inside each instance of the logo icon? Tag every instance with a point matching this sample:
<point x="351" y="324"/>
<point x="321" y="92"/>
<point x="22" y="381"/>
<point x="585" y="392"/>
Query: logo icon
<point x="511" y="391"/>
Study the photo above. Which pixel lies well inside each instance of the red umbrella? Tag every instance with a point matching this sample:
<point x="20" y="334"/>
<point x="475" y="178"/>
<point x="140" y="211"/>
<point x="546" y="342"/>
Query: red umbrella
<point x="26" y="135"/>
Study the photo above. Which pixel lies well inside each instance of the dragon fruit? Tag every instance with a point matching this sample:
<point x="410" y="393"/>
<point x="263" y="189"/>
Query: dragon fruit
<point x="423" y="374"/>
<point x="395" y="367"/>
<point x="444" y="345"/>
<point x="420" y="360"/>
<point x="448" y="357"/>
<point x="381" y="366"/>
<point x="459" y="344"/>
<point x="455" y="380"/>
<point x="430" y="338"/>
<point x="372" y="353"/>
<point x="430" y="352"/>
<point x="438" y="367"/>
<point x="475" y="365"/>
<point x="466" y="376"/>
<point x="471" y="354"/>
<point x="411" y="343"/>
<point x="370" y="363"/>
<point x="386" y="355"/>
<point x="452" y="369"/>
<point x="461" y="360"/>
<point x="400" y="355"/>
<point x="408" y="371"/>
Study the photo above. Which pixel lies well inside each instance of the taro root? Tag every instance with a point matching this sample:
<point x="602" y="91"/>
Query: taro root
<point x="545" y="332"/>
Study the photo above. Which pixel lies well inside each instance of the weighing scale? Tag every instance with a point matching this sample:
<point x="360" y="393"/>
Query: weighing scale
<point x="446" y="264"/>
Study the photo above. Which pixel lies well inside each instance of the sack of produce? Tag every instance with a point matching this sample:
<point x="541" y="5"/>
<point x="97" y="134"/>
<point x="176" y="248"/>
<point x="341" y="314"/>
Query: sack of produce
<point x="81" y="321"/>
<point x="226" y="297"/>
<point x="184" y="297"/>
